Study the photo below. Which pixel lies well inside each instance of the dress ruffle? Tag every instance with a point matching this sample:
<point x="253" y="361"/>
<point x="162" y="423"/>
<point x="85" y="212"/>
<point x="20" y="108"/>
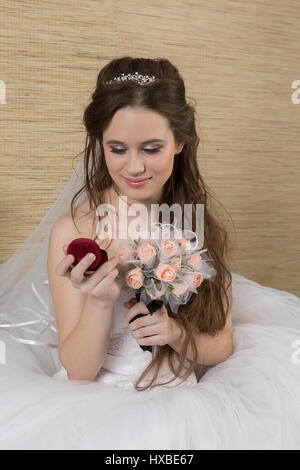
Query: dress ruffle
<point x="251" y="401"/>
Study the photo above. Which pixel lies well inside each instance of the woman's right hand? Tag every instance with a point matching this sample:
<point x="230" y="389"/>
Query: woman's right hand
<point x="101" y="284"/>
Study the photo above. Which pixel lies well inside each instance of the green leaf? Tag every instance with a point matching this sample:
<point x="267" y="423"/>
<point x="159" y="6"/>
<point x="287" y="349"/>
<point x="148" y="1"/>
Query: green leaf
<point x="178" y="281"/>
<point x="159" y="286"/>
<point x="188" y="268"/>
<point x="148" y="282"/>
<point x="151" y="290"/>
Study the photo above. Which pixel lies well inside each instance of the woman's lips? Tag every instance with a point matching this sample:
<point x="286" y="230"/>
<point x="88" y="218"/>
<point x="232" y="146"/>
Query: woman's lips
<point x="135" y="184"/>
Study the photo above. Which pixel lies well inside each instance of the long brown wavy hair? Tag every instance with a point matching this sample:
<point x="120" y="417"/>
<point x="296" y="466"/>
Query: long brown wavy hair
<point x="205" y="312"/>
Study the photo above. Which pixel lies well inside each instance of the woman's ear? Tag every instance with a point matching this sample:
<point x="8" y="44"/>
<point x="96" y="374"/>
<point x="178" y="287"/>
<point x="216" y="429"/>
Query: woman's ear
<point x="179" y="148"/>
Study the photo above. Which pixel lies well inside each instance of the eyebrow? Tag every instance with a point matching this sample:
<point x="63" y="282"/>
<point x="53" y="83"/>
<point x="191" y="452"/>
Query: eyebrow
<point x="146" y="141"/>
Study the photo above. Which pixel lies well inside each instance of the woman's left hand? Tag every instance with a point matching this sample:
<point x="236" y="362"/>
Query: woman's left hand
<point x="160" y="328"/>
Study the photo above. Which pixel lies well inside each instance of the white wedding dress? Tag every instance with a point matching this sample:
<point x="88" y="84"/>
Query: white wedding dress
<point x="250" y="401"/>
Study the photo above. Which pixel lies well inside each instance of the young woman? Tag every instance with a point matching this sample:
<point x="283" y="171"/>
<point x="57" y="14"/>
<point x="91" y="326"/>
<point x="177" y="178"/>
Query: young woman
<point x="221" y="374"/>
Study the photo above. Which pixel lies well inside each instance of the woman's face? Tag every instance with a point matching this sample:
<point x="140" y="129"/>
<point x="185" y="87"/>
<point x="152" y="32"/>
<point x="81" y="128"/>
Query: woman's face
<point x="135" y="158"/>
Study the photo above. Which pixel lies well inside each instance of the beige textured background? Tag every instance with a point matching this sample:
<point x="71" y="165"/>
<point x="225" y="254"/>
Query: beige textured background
<point x="239" y="60"/>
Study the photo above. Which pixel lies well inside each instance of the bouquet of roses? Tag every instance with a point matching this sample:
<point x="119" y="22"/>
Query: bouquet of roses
<point x="163" y="270"/>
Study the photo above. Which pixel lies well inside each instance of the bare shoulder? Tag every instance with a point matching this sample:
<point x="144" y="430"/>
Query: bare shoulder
<point x="82" y="224"/>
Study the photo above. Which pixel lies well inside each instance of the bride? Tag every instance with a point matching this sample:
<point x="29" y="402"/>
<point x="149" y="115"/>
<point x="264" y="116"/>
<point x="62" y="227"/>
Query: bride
<point x="222" y="373"/>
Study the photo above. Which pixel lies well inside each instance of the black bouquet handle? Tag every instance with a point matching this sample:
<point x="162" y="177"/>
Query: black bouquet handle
<point x="153" y="306"/>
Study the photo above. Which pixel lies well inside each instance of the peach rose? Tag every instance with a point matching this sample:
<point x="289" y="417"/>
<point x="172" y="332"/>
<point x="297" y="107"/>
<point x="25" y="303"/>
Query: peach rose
<point x="175" y="263"/>
<point x="194" y="261"/>
<point x="168" y="248"/>
<point x="158" y="293"/>
<point x="135" y="278"/>
<point x="184" y="244"/>
<point x="125" y="253"/>
<point x="194" y="280"/>
<point x="165" y="272"/>
<point x="146" y="253"/>
<point x="180" y="289"/>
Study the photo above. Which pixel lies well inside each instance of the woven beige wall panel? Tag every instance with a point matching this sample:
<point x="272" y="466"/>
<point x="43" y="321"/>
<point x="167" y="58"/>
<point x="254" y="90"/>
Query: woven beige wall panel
<point x="239" y="60"/>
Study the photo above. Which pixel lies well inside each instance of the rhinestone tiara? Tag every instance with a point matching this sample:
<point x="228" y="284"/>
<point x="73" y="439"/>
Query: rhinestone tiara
<point x="141" y="79"/>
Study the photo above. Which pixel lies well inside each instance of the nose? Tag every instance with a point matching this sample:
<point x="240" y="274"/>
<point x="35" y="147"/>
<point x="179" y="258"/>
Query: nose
<point x="136" y="165"/>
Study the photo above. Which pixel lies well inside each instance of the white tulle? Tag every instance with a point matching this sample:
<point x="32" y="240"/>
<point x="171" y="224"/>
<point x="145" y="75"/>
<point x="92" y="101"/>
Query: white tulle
<point x="250" y="401"/>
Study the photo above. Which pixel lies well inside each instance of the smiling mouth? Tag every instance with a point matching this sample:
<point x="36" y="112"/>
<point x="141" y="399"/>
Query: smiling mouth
<point x="132" y="180"/>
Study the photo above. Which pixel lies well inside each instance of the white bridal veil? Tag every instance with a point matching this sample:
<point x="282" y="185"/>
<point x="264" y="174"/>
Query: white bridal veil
<point x="26" y="308"/>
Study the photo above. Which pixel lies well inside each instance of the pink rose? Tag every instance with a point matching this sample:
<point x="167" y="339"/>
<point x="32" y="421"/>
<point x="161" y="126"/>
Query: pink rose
<point x="180" y="289"/>
<point x="194" y="261"/>
<point x="125" y="254"/>
<point x="184" y="244"/>
<point x="194" y="280"/>
<point x="168" y="248"/>
<point x="165" y="272"/>
<point x="146" y="253"/>
<point x="135" y="278"/>
<point x="175" y="263"/>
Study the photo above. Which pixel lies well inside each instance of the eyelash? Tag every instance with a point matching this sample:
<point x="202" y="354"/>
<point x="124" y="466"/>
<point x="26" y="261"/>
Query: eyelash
<point x="150" y="151"/>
